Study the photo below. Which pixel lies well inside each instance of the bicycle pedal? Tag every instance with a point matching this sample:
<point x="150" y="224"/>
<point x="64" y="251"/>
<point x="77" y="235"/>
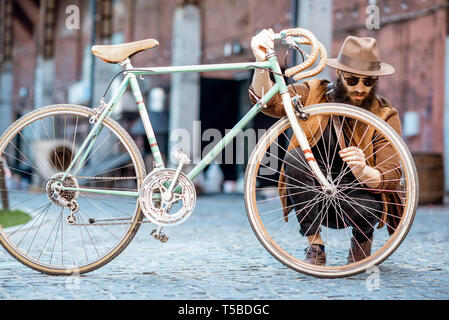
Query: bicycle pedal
<point x="161" y="236"/>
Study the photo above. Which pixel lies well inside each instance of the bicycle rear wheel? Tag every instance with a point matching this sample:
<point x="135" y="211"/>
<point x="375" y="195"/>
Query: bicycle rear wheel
<point x="283" y="239"/>
<point x="38" y="149"/>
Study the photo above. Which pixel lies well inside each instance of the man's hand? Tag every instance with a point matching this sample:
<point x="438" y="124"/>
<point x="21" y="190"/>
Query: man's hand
<point x="261" y="42"/>
<point x="355" y="159"/>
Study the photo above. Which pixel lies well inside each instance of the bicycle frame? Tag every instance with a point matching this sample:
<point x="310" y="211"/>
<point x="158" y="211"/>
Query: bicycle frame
<point x="131" y="80"/>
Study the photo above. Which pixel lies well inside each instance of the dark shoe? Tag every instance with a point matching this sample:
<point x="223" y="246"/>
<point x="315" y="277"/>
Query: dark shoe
<point x="359" y="250"/>
<point x="315" y="255"/>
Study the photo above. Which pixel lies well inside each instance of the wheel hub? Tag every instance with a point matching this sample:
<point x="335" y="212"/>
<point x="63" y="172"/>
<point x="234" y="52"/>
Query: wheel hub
<point x="330" y="191"/>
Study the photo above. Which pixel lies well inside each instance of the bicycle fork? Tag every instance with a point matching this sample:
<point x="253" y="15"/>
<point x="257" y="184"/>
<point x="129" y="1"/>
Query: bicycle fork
<point x="327" y="186"/>
<point x="304" y="144"/>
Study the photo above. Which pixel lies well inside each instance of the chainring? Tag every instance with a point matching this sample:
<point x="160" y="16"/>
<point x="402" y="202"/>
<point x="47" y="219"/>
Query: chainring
<point x="166" y="209"/>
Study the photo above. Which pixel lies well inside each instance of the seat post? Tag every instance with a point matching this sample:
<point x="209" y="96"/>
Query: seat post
<point x="126" y="63"/>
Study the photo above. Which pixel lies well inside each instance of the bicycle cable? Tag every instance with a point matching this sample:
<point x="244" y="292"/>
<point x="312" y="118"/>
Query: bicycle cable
<point x="267" y="69"/>
<point x="285" y="64"/>
<point x="118" y="74"/>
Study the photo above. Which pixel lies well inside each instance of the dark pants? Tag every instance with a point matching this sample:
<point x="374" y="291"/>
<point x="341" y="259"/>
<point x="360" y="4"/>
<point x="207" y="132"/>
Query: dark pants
<point x="357" y="208"/>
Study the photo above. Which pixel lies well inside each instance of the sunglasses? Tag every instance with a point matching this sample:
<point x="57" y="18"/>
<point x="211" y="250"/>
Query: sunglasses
<point x="353" y="81"/>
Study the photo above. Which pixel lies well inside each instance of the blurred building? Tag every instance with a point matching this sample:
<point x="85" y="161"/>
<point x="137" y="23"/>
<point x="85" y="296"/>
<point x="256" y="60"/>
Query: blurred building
<point x="45" y="58"/>
<point x="413" y="37"/>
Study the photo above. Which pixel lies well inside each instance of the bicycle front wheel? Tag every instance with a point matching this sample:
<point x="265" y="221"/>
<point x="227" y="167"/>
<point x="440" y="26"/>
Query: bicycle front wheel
<point x="353" y="209"/>
<point x="38" y="149"/>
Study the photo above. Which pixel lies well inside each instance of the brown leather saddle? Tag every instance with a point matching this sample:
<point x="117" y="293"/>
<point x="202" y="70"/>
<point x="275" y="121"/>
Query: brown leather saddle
<point x="120" y="52"/>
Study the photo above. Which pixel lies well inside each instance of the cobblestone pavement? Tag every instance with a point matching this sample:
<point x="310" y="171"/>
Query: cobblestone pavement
<point x="215" y="255"/>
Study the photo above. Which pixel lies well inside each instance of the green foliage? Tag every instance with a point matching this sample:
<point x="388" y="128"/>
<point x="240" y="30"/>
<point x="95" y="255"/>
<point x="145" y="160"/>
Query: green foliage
<point x="13" y="218"/>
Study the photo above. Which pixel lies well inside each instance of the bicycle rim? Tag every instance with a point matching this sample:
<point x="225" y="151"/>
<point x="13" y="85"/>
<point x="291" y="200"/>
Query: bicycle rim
<point x="38" y="148"/>
<point x="283" y="239"/>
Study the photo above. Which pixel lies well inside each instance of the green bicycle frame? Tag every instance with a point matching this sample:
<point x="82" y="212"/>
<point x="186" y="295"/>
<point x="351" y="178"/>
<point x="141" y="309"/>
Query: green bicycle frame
<point x="130" y="79"/>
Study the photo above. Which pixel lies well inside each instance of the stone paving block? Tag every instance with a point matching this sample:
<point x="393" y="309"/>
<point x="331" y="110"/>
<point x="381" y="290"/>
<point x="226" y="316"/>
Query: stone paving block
<point x="215" y="255"/>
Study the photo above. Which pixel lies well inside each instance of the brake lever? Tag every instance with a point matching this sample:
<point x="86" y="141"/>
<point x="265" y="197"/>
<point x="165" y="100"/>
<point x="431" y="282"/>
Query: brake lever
<point x="290" y="42"/>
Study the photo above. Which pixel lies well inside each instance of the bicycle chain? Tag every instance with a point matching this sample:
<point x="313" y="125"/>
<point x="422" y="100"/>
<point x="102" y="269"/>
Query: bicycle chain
<point x="107" y="224"/>
<point x="107" y="178"/>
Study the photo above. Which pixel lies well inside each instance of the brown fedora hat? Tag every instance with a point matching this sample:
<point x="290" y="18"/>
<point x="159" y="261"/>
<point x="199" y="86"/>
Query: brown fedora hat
<point x="360" y="56"/>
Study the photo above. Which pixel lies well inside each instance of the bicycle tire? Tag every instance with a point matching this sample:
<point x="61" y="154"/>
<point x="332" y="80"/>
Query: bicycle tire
<point x="137" y="162"/>
<point x="265" y="231"/>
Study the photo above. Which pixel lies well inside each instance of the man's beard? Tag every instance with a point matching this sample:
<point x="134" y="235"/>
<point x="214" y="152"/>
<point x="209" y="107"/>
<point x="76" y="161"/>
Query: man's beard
<point x="342" y="95"/>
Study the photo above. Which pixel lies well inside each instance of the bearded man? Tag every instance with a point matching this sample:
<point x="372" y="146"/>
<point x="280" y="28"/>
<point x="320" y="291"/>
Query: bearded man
<point x="358" y="68"/>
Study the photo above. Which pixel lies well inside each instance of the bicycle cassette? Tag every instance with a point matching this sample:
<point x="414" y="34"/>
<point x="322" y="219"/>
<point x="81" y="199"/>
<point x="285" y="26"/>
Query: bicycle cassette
<point x="163" y="207"/>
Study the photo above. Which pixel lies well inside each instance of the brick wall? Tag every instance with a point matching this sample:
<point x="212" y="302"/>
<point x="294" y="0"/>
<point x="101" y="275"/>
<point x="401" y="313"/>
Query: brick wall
<point x="224" y="22"/>
<point x="69" y="48"/>
<point x="412" y="38"/>
<point x="24" y="64"/>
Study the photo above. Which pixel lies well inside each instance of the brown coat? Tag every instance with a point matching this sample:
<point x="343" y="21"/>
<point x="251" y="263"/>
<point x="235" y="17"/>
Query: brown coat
<point x="313" y="92"/>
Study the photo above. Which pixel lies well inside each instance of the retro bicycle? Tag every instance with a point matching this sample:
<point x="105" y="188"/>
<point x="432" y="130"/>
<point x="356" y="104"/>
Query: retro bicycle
<point x="88" y="190"/>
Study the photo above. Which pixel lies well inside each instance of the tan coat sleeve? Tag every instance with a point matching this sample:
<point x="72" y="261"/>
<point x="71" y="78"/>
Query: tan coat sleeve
<point x="275" y="107"/>
<point x="385" y="156"/>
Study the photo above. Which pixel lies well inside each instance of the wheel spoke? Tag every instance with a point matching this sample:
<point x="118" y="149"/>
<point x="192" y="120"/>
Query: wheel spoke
<point x="351" y="206"/>
<point x="49" y="242"/>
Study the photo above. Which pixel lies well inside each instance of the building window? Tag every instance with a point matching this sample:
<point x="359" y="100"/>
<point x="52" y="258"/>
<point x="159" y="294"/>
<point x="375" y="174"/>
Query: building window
<point x="48" y="24"/>
<point x="5" y="30"/>
<point x="104" y="18"/>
